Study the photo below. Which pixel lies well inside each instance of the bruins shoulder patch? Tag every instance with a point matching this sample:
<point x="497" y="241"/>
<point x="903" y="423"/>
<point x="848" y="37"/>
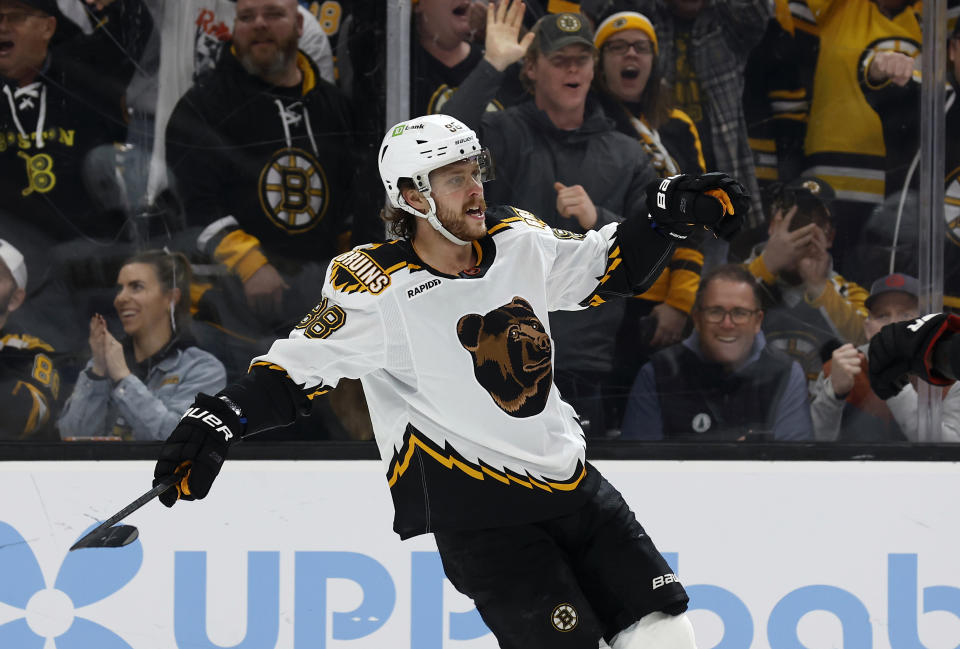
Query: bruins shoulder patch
<point x="529" y="218"/>
<point x="368" y="269"/>
<point x="502" y="218"/>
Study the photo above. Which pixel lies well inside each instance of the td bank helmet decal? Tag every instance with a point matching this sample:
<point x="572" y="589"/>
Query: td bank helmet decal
<point x="511" y="352"/>
<point x="293" y="190"/>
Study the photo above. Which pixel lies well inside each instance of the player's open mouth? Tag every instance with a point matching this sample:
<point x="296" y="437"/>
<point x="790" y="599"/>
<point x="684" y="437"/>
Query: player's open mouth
<point x="630" y="73"/>
<point x="727" y="340"/>
<point x="5" y="46"/>
<point x="461" y="9"/>
<point x="573" y="85"/>
<point x="475" y="212"/>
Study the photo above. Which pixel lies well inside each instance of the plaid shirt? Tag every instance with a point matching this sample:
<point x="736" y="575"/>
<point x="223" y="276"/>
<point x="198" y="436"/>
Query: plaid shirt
<point x="723" y="35"/>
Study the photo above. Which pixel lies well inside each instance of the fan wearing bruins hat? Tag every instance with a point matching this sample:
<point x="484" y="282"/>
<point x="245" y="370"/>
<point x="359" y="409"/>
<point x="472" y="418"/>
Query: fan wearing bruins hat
<point x="807" y="304"/>
<point x="634" y="94"/>
<point x="845" y="408"/>
<point x="447" y="329"/>
<point x="703" y="47"/>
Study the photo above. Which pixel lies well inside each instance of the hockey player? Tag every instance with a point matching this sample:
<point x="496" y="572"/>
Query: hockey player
<point x="446" y="327"/>
<point x="927" y="347"/>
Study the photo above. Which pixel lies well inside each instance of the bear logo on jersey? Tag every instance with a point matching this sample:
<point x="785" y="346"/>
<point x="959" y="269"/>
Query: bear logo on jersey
<point x="511" y="353"/>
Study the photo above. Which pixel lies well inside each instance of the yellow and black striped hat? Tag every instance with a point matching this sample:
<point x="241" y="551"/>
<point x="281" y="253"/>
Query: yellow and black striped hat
<point x="624" y="20"/>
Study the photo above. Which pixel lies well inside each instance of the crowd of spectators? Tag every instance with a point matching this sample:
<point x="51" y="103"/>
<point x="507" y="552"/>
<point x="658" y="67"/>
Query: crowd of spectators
<point x="179" y="175"/>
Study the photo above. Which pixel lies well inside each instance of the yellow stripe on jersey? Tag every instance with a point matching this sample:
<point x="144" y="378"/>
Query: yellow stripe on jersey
<point x="853" y="186"/>
<point x="563" y="7"/>
<point x="767" y="173"/>
<point x="685" y="267"/>
<point x="317" y="391"/>
<point x="39" y="409"/>
<point x="612" y="265"/>
<point x="268" y="365"/>
<point x="503" y="225"/>
<point x="781" y="12"/>
<point x="659" y="289"/>
<point x="676" y="113"/>
<point x="765" y="145"/>
<point x="799" y="93"/>
<point x="477" y="472"/>
<point x="24" y="341"/>
<point x="240" y="252"/>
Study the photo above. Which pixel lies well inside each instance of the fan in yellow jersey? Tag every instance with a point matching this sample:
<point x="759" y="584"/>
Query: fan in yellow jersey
<point x="844" y="141"/>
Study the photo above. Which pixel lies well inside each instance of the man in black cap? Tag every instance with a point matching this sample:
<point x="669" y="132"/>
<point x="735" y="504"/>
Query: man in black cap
<point x="60" y="106"/>
<point x="562" y="158"/>
<point x="845" y="408"/>
<point x="807" y="304"/>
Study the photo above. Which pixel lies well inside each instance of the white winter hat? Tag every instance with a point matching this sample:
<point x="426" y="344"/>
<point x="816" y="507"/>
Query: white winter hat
<point x="15" y="263"/>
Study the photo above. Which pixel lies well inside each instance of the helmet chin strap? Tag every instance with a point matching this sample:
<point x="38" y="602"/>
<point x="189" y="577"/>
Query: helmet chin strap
<point x="431" y="217"/>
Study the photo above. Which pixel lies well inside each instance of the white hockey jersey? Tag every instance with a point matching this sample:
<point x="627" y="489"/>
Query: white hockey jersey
<point x="457" y="370"/>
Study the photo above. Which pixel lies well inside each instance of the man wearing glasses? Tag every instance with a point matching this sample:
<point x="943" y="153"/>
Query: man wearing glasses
<point x="723" y="382"/>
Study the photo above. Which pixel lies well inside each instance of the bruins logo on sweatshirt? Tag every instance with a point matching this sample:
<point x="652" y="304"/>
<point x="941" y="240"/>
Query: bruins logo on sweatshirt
<point x="293" y="190"/>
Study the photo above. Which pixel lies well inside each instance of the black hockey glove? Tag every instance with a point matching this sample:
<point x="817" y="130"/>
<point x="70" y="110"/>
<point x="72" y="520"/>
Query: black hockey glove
<point x="197" y="448"/>
<point x="904" y="348"/>
<point x="679" y="204"/>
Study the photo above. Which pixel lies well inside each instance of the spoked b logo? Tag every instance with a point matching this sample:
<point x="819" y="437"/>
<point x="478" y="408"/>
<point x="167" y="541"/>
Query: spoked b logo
<point x="564" y="618"/>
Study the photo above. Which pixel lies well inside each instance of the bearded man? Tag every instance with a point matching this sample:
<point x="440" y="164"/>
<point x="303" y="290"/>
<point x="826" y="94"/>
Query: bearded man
<point x="263" y="155"/>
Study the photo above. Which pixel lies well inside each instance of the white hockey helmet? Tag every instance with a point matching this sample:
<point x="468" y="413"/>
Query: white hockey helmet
<point x="414" y="148"/>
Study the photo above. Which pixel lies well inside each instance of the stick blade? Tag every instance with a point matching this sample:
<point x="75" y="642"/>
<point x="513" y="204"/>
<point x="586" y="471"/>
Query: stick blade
<point x="108" y="537"/>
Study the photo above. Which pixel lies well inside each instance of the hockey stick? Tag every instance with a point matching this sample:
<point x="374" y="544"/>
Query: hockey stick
<point x="105" y="535"/>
